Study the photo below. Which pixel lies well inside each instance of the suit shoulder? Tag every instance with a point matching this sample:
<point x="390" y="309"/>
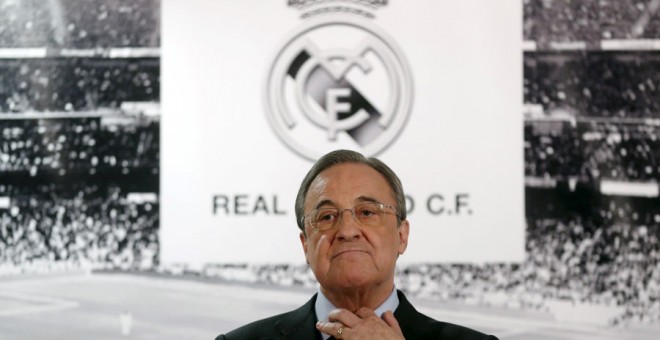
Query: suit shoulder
<point x="275" y="326"/>
<point x="260" y="329"/>
<point x="416" y="325"/>
<point x="451" y="331"/>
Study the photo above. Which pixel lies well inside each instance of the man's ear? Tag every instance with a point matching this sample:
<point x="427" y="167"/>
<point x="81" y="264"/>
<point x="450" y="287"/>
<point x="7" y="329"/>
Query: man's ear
<point x="404" y="229"/>
<point x="303" y="241"/>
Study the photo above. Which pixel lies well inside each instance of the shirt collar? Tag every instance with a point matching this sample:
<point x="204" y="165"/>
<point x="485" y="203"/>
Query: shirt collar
<point x="323" y="307"/>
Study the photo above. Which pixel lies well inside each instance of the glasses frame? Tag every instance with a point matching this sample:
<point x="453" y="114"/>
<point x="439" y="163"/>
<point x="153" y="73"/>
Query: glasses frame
<point x="340" y="214"/>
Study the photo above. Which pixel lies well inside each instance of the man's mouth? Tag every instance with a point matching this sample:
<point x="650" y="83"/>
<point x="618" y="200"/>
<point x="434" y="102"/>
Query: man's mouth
<point x="347" y="252"/>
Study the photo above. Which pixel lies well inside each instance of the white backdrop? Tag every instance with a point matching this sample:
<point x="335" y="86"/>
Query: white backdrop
<point x="229" y="179"/>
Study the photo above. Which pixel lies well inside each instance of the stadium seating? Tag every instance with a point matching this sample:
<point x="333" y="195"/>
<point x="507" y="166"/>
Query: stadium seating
<point x="81" y="23"/>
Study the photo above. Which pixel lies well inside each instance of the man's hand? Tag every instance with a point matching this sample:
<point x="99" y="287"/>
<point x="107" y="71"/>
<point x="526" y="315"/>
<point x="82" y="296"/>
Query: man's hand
<point x="363" y="325"/>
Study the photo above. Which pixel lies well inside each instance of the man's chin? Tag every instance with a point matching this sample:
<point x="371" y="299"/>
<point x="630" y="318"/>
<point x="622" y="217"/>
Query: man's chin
<point x="352" y="277"/>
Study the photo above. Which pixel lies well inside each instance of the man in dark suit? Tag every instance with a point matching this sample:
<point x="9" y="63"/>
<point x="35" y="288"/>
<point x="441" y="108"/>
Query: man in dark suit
<point x="353" y="257"/>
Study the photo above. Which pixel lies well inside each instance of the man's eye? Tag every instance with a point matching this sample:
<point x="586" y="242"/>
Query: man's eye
<point x="367" y="212"/>
<point x="326" y="217"/>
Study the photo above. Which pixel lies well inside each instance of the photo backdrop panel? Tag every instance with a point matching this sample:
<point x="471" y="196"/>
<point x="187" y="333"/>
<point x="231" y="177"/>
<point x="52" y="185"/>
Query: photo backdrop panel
<point x="254" y="92"/>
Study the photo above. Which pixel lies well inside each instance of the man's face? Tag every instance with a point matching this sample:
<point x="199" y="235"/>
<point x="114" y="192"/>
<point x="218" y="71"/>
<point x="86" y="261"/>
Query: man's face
<point x="352" y="256"/>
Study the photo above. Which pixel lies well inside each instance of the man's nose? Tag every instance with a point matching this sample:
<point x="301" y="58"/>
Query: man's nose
<point x="348" y="227"/>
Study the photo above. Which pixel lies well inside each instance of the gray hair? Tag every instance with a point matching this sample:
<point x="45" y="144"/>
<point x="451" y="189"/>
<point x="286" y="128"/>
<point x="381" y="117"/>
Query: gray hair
<point x="347" y="156"/>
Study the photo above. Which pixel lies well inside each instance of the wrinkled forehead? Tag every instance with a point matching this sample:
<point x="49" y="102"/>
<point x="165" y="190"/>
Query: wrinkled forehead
<point x="349" y="183"/>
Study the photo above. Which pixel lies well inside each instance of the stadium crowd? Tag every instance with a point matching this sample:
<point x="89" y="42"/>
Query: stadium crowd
<point x="589" y="20"/>
<point x="598" y="122"/>
<point x="592" y="151"/>
<point x="66" y="181"/>
<point x="84" y="224"/>
<point x="79" y="145"/>
<point x="596" y="84"/>
<point x="76" y="84"/>
<point x="65" y="188"/>
<point x="81" y="24"/>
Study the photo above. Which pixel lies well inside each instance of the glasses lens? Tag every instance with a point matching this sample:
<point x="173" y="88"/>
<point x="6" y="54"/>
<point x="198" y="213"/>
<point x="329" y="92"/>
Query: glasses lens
<point x="370" y="214"/>
<point x="323" y="219"/>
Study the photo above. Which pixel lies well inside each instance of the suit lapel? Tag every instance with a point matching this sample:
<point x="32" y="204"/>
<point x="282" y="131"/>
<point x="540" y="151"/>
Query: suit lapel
<point x="410" y="320"/>
<point x="300" y="324"/>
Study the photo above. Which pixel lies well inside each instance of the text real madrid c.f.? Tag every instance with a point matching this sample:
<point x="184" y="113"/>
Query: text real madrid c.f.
<point x="434" y="204"/>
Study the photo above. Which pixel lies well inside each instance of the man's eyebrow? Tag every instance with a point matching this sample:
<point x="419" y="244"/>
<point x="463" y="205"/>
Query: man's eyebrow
<point x="367" y="199"/>
<point x="361" y="199"/>
<point x="324" y="202"/>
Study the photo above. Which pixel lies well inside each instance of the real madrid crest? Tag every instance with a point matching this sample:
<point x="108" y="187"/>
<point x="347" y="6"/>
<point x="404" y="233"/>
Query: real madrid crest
<point x="338" y="81"/>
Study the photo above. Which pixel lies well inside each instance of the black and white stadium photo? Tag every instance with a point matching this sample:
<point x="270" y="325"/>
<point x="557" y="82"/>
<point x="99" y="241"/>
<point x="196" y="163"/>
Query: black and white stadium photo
<point x="330" y="169"/>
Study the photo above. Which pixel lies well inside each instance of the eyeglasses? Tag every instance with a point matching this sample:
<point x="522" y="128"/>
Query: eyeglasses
<point x="369" y="214"/>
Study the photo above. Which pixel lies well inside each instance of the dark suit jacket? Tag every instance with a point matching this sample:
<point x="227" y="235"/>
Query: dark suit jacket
<point x="300" y="325"/>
